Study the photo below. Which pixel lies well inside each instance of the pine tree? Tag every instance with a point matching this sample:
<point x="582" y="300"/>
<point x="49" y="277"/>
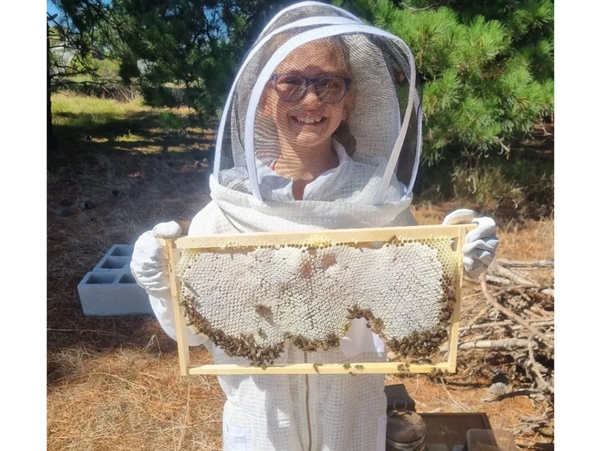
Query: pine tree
<point x="486" y="67"/>
<point x="182" y="52"/>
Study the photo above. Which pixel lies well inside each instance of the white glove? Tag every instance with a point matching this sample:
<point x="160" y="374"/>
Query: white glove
<point x="150" y="270"/>
<point x="481" y="243"/>
<point x="149" y="259"/>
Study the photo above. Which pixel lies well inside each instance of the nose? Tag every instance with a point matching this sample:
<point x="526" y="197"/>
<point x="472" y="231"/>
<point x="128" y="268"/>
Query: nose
<point x="311" y="97"/>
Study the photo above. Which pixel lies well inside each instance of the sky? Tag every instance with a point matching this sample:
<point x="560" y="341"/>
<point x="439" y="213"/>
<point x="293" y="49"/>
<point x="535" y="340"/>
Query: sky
<point x="50" y="7"/>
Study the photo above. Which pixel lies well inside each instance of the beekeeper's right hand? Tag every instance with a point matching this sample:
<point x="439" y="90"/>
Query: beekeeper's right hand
<point x="149" y="259"/>
<point x="150" y="270"/>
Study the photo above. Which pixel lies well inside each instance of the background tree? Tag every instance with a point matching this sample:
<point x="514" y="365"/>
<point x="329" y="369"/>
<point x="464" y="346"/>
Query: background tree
<point x="50" y="138"/>
<point x="186" y="52"/>
<point x="486" y="66"/>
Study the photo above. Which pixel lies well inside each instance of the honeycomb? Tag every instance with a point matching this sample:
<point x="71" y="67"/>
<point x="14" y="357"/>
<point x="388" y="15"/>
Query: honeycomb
<point x="250" y="300"/>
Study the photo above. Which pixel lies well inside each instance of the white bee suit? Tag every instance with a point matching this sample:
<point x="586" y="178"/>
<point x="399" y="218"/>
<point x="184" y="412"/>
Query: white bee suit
<point x="300" y="412"/>
<point x="297" y="412"/>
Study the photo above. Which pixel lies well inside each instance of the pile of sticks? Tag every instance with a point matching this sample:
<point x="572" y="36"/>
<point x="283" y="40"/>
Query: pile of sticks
<point x="507" y="335"/>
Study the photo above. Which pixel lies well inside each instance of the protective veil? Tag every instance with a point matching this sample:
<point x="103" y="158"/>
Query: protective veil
<point x="382" y="132"/>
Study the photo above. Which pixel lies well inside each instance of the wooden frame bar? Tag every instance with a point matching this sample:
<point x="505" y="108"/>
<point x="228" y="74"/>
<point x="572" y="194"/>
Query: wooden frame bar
<point x="457" y="232"/>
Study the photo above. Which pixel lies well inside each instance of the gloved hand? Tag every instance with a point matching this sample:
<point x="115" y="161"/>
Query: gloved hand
<point x="150" y="270"/>
<point x="481" y="243"/>
<point x="149" y="258"/>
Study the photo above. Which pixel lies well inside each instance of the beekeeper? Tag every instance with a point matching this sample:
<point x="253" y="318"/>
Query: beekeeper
<point x="321" y="130"/>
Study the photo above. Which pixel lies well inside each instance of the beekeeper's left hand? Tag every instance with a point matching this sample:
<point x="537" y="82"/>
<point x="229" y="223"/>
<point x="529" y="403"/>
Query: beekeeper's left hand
<point x="481" y="243"/>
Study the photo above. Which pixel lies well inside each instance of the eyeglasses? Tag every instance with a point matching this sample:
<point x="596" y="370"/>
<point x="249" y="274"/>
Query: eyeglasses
<point x="293" y="87"/>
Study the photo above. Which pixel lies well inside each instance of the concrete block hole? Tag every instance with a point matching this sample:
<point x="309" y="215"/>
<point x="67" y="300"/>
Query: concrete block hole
<point x="101" y="279"/>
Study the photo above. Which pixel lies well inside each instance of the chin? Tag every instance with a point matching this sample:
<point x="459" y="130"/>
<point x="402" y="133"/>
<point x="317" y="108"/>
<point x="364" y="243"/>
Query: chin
<point x="310" y="139"/>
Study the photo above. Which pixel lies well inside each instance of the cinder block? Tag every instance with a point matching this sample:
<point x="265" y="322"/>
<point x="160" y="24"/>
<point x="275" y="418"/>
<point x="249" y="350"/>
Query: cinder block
<point x="110" y="289"/>
<point x="117" y="257"/>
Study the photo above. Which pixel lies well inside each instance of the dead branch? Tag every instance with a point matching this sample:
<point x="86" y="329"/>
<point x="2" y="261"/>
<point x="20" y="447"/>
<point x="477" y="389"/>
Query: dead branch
<point x="541" y="312"/>
<point x="512" y="315"/>
<point x="499" y="270"/>
<point x="526" y="263"/>
<point x="534" y="446"/>
<point x="534" y="418"/>
<point x="463" y="313"/>
<point x="512" y="394"/>
<point x="483" y="311"/>
<point x="546" y="322"/>
<point x="476" y="338"/>
<point x="506" y="344"/>
<point x="535" y="368"/>
<point x="540" y="425"/>
<point x="534" y="316"/>
<point x="501" y="281"/>
<point x="548" y="292"/>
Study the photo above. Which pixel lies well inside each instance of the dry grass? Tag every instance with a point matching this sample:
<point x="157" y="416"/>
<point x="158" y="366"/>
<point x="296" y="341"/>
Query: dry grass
<point x="130" y="398"/>
<point x="113" y="383"/>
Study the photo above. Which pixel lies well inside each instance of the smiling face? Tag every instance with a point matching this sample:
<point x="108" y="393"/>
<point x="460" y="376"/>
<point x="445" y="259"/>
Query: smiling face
<point x="309" y="122"/>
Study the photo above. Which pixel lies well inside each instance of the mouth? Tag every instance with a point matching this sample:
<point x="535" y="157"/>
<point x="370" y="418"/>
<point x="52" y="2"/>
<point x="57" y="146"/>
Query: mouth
<point x="310" y="120"/>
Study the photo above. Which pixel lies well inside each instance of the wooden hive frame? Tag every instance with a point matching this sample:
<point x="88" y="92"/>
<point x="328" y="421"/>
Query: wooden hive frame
<point x="455" y="232"/>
